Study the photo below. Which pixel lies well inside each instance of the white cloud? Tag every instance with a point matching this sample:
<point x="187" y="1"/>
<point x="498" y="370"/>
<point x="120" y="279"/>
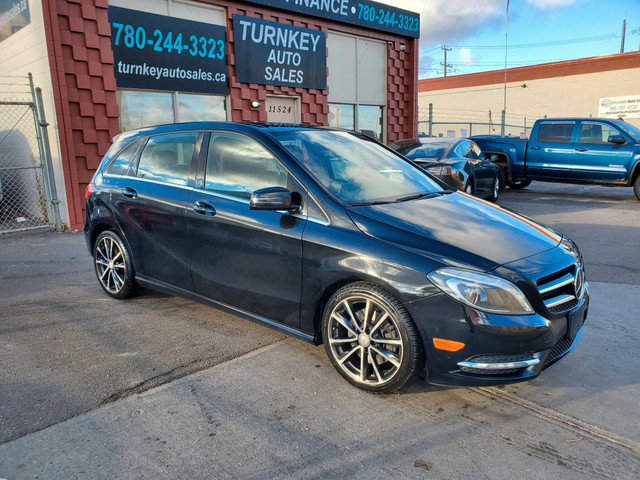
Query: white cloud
<point x="448" y="21"/>
<point x="465" y="56"/>
<point x="548" y="4"/>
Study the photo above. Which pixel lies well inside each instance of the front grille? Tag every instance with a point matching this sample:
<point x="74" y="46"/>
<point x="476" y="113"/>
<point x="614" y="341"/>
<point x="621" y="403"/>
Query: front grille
<point x="559" y="349"/>
<point x="561" y="290"/>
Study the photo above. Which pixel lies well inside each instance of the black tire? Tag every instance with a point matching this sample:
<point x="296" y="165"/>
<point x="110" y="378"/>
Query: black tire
<point x="469" y="187"/>
<point x="502" y="175"/>
<point x="636" y="187"/>
<point x="518" y="185"/>
<point x="113" y="266"/>
<point x="362" y="361"/>
<point x="495" y="190"/>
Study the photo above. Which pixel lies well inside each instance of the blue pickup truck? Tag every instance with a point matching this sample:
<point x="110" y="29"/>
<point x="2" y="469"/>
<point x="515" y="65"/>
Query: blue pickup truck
<point x="571" y="150"/>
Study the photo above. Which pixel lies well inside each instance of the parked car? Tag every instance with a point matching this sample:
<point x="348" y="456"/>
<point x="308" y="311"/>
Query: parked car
<point x="602" y="151"/>
<point x="457" y="162"/>
<point x="334" y="238"/>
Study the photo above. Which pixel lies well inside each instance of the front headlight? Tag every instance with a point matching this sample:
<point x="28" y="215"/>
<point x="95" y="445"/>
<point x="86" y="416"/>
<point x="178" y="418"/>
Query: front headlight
<point x="481" y="291"/>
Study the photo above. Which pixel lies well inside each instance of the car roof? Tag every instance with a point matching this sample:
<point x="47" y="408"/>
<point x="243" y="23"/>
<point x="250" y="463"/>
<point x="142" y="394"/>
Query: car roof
<point x="246" y="127"/>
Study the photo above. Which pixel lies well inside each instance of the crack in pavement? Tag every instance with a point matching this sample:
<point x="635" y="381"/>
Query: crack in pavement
<point x="560" y="418"/>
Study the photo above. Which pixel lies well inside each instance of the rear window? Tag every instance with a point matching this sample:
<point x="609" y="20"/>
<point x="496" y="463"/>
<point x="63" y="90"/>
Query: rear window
<point x="555" y="132"/>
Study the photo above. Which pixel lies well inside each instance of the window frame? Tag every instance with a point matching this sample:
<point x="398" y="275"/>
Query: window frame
<point x="606" y="125"/>
<point x="194" y="162"/>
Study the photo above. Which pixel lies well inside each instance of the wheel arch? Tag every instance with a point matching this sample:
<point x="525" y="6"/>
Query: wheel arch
<point x="330" y="290"/>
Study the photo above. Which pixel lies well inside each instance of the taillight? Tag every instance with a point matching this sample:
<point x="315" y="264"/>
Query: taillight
<point x="88" y="191"/>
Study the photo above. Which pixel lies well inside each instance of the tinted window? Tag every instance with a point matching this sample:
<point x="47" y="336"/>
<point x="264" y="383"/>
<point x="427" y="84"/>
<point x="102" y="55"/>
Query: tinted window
<point x="238" y="165"/>
<point x="596" y="133"/>
<point x="424" y="151"/>
<point x="168" y="158"/>
<point x="555" y="132"/>
<point x="355" y="170"/>
<point x="124" y="160"/>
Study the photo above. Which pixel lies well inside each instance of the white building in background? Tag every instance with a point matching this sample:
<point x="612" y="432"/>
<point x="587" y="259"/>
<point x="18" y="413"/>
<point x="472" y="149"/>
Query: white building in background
<point x="587" y="87"/>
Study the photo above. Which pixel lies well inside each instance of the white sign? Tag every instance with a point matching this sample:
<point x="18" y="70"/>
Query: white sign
<point x="619" y="107"/>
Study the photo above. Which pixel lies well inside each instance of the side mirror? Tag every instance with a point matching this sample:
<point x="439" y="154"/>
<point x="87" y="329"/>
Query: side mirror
<point x="616" y="139"/>
<point x="272" y="198"/>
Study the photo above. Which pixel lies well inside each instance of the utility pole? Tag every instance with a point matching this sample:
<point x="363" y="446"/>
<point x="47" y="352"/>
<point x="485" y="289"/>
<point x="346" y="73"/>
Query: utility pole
<point x="445" y="64"/>
<point x="624" y="30"/>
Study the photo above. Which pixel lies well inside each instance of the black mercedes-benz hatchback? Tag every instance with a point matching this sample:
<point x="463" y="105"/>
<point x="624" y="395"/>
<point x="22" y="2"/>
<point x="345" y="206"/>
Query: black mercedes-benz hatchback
<point x="329" y="236"/>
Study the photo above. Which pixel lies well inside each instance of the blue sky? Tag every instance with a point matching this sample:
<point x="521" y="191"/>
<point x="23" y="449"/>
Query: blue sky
<point x="540" y="31"/>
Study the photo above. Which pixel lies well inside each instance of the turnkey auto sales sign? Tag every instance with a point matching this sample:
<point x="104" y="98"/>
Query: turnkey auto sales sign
<point x="269" y="53"/>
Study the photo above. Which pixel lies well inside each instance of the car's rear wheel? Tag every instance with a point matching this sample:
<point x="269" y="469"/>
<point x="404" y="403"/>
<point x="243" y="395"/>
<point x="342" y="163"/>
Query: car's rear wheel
<point x="518" y="185"/>
<point x="636" y="187"/>
<point x="495" y="192"/>
<point x="370" y="338"/>
<point x="113" y="265"/>
<point x="468" y="188"/>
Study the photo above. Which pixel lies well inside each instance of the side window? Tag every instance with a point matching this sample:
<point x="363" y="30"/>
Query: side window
<point x="596" y="133"/>
<point x="464" y="150"/>
<point x="167" y="158"/>
<point x="475" y="150"/>
<point x="238" y="165"/>
<point x="121" y="164"/>
<point x="555" y="132"/>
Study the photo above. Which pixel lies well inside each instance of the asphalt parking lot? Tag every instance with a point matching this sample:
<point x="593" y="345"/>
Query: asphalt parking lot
<point x="160" y="387"/>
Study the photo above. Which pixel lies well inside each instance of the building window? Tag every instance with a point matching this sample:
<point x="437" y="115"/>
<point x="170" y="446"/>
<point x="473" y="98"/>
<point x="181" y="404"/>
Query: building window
<point x="143" y="108"/>
<point x="357" y="83"/>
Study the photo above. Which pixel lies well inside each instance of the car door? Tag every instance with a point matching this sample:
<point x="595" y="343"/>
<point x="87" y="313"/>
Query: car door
<point x="550" y="154"/>
<point x="595" y="158"/>
<point x="249" y="259"/>
<point x="150" y="206"/>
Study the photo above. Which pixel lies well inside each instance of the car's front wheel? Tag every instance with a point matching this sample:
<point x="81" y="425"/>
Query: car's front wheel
<point x="113" y="265"/>
<point x="636" y="187"/>
<point x="370" y="338"/>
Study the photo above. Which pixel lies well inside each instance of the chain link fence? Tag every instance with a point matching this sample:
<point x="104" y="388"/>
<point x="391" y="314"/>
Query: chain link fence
<point x="462" y="124"/>
<point x="25" y="199"/>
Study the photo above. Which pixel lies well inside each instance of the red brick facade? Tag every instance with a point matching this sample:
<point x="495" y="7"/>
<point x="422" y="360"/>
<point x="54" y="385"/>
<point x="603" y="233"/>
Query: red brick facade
<point x="84" y="87"/>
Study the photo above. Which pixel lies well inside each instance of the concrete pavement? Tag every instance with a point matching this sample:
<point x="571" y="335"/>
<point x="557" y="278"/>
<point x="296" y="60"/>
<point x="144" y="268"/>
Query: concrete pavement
<point x="282" y="412"/>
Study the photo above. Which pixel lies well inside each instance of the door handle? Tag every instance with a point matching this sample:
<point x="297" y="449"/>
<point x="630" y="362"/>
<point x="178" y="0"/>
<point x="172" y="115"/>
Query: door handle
<point x="582" y="149"/>
<point x="129" y="192"/>
<point x="203" y="208"/>
<point x="534" y="148"/>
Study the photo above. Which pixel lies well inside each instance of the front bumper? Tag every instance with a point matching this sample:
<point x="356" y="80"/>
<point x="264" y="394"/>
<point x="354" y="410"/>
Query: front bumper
<point x="498" y="349"/>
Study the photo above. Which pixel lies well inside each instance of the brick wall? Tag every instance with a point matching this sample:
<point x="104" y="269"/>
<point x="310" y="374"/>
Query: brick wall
<point x="78" y="38"/>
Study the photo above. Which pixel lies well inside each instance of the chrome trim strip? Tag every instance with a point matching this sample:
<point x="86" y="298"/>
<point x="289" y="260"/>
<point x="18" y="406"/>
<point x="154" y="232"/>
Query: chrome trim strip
<point x="560" y="282"/>
<point x="555" y="301"/>
<point x="499" y="366"/>
<point x="148" y="180"/>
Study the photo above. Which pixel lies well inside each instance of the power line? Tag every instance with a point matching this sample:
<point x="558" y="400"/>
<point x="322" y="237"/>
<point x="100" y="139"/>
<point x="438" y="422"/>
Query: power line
<point x="609" y="36"/>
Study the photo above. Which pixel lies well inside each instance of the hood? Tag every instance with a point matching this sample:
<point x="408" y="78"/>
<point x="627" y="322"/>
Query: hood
<point x="456" y="229"/>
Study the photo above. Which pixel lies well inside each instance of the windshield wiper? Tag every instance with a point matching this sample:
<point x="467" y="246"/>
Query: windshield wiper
<point x="375" y="202"/>
<point x="417" y="196"/>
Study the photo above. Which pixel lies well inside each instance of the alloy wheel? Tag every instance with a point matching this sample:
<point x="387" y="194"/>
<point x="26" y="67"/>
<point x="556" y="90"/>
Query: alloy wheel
<point x="365" y="341"/>
<point x="110" y="263"/>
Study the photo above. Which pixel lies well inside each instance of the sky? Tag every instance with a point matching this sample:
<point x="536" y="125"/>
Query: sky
<point x="539" y="31"/>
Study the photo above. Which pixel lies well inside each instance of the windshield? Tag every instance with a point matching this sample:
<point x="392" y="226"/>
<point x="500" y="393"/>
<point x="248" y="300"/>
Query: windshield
<point x="424" y="151"/>
<point x="357" y="171"/>
<point x="630" y="130"/>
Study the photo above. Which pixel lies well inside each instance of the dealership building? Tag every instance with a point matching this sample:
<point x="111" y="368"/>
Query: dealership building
<point x="107" y="66"/>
